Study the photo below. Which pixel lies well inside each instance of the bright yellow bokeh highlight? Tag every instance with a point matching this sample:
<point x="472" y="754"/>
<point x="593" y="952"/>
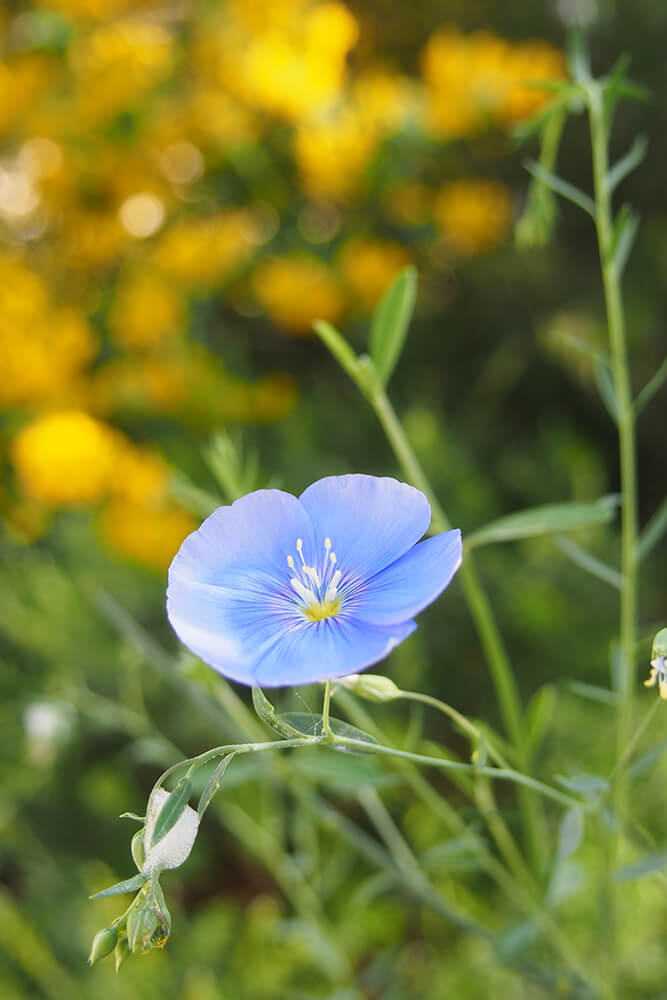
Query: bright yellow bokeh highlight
<point x="296" y="290"/>
<point x="473" y="215"/>
<point x="64" y="459"/>
<point x="479" y="79"/>
<point x="369" y="265"/>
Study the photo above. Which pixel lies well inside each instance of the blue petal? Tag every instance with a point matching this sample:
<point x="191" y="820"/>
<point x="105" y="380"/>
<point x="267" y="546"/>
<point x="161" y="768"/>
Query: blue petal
<point x="258" y="531"/>
<point x="334" y="647"/>
<point x="413" y="581"/>
<point x="371" y="521"/>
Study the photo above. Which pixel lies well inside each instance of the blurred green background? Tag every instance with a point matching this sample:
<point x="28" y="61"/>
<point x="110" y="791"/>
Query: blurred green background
<point x="184" y="187"/>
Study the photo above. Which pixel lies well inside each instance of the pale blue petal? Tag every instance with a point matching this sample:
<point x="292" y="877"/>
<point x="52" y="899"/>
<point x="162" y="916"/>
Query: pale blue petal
<point x="334" y="647"/>
<point x="371" y="521"/>
<point x="258" y="532"/>
<point x="401" y="590"/>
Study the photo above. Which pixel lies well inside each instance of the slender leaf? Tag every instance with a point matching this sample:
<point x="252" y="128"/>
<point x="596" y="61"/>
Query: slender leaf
<point x="537" y="719"/>
<point x="578" y="58"/>
<point x="570" y="833"/>
<point x="129" y="815"/>
<point x="584" y="560"/>
<point x="129" y="885"/>
<point x="213" y="784"/>
<point x="625" y="230"/>
<point x="654" y="530"/>
<point x="171" y="811"/>
<point x="648" y="866"/>
<point x="338" y="346"/>
<point x="648" y="392"/>
<point x="594" y="693"/>
<point x="390" y="322"/>
<point x="627" y="163"/>
<point x="605" y="383"/>
<point x="586" y="784"/>
<point x="545" y="520"/>
<point x="561" y="187"/>
<point x="267" y="714"/>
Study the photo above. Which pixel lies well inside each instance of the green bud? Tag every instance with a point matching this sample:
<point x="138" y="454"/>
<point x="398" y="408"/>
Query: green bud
<point x="104" y="943"/>
<point x="122" y="951"/>
<point x="148" y="921"/>
<point x="659" y="644"/>
<point x="138" y="850"/>
<point x="373" y="687"/>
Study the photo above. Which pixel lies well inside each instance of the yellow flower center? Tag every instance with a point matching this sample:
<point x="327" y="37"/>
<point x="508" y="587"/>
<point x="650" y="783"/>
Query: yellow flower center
<point x="318" y="593"/>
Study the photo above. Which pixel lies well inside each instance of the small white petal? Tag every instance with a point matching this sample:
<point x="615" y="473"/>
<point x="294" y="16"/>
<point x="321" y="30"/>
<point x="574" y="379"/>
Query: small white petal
<point x="175" y="846"/>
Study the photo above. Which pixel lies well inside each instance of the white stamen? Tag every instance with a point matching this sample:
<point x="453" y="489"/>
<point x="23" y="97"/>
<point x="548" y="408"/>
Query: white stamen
<point x="304" y="592"/>
<point x="290" y="562"/>
<point x="332" y="591"/>
<point x="299" y="549"/>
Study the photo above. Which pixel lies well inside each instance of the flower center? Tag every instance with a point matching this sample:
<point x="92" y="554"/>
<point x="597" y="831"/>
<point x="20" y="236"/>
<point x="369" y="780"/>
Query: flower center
<point x="318" y="592"/>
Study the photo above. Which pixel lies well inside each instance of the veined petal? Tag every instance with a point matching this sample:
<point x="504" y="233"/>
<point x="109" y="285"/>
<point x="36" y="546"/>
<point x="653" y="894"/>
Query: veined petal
<point x="371" y="521"/>
<point x="318" y="651"/>
<point x="257" y="532"/>
<point x="409" y="584"/>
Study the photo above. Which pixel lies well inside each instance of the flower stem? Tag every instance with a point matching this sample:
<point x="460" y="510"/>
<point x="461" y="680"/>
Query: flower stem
<point x="326" y="725"/>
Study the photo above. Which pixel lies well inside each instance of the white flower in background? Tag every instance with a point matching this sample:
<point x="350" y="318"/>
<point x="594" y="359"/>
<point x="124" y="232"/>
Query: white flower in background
<point x="48" y="725"/>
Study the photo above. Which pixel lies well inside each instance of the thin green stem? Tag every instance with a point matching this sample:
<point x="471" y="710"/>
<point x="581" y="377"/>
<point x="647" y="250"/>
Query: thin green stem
<point x="509" y="700"/>
<point x="326" y="725"/>
<point x="464" y="724"/>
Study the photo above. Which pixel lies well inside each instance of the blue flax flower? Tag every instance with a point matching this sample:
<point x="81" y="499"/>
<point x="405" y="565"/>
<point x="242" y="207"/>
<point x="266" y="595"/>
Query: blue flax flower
<point x="276" y="590"/>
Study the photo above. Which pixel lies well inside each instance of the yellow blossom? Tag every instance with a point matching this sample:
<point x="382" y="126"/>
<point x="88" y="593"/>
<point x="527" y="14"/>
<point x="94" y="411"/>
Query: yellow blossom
<point x="205" y="250"/>
<point x="117" y="63"/>
<point x="368" y="266"/>
<point x="473" y="215"/>
<point x="332" y="152"/>
<point x="296" y="290"/>
<point x="64" y="459"/>
<point x="146" y="311"/>
<point x="140" y="475"/>
<point x="147" y="534"/>
<point x="478" y="79"/>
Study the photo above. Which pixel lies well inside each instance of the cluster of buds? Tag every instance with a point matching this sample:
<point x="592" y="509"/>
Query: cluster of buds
<point x="659" y="664"/>
<point x="146" y="922"/>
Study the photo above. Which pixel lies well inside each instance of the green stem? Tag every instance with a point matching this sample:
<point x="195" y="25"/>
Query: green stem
<point x="464" y="724"/>
<point x="509" y="700"/>
<point x="326" y="725"/>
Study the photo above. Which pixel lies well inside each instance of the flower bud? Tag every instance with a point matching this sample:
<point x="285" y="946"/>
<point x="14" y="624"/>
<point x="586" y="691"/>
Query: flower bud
<point x="103" y="944"/>
<point x="373" y="687"/>
<point x="174" y="848"/>
<point x="122" y="951"/>
<point x="659" y="664"/>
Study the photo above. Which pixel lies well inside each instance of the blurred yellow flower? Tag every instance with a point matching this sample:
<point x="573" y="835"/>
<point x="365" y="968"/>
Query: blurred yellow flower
<point x="473" y="215"/>
<point x="140" y="475"/>
<point x="137" y="384"/>
<point x="43" y="348"/>
<point x="150" y="535"/>
<point x="332" y="152"/>
<point x="410" y="203"/>
<point x="368" y="266"/>
<point x="92" y="240"/>
<point x="204" y="250"/>
<point x="23" y="79"/>
<point x="146" y="311"/>
<point x="115" y="64"/>
<point x="478" y="79"/>
<point x="291" y="65"/>
<point x="64" y="459"/>
<point x="297" y="289"/>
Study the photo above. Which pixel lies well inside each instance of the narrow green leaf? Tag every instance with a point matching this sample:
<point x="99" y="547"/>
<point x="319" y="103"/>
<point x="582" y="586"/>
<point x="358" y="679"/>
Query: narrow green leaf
<point x="655" y="383"/>
<point x="594" y="693"/>
<point x="590" y="785"/>
<point x="648" y="866"/>
<point x="129" y="885"/>
<point x="267" y="714"/>
<point x="390" y="322"/>
<point x="213" y="784"/>
<point x="584" y="560"/>
<point x="654" y="530"/>
<point x="578" y="58"/>
<point x="648" y="759"/>
<point x="605" y="383"/>
<point x="545" y="520"/>
<point x="129" y="815"/>
<point x="626" y="225"/>
<point x="537" y="718"/>
<point x="561" y="187"/>
<point x="570" y="833"/>
<point x="171" y="811"/>
<point x="627" y="163"/>
<point x="307" y="724"/>
<point x="338" y="346"/>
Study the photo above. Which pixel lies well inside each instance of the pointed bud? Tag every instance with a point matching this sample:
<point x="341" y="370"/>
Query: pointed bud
<point x="121" y="952"/>
<point x="372" y="687"/>
<point x="103" y="944"/>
